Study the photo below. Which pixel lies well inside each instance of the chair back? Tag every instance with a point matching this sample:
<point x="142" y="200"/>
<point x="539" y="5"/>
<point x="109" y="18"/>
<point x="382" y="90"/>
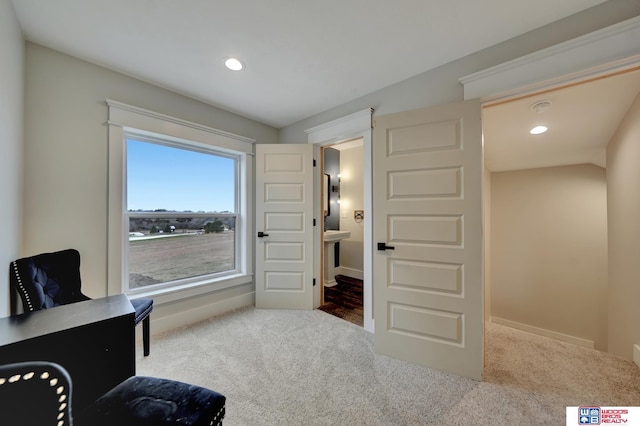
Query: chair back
<point x="35" y="393"/>
<point x="46" y="280"/>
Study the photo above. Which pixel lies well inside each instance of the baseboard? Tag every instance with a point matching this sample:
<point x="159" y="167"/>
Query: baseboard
<point x="183" y="318"/>
<point x="350" y="272"/>
<point x="546" y="333"/>
<point x="636" y="354"/>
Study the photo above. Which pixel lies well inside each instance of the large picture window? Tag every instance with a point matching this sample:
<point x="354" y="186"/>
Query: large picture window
<point x="182" y="211"/>
<point x="180" y="196"/>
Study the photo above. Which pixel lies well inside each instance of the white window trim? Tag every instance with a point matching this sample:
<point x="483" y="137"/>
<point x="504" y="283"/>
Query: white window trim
<point x="125" y="118"/>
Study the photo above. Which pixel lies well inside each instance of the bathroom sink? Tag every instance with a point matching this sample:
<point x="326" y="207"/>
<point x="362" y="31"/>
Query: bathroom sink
<point x="333" y="235"/>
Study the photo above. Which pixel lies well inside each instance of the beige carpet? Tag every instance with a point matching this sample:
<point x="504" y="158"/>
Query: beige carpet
<point x="576" y="375"/>
<point x="279" y="367"/>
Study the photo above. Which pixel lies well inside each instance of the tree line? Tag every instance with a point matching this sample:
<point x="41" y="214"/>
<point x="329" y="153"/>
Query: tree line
<point x="178" y="225"/>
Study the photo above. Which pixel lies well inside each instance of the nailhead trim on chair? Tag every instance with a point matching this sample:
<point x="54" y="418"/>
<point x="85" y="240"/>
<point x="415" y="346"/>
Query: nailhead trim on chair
<point x="22" y="289"/>
<point x="53" y="381"/>
<point x="217" y="419"/>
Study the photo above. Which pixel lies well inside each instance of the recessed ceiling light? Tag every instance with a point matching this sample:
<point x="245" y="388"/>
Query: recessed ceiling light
<point x="538" y="130"/>
<point x="233" y="64"/>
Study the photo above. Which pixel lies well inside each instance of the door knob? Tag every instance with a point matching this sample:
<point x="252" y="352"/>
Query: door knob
<point x="384" y="246"/>
<point x="262" y="234"/>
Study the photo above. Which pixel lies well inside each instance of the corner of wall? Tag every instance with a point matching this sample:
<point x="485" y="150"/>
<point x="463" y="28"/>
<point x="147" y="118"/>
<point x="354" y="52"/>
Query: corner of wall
<point x="12" y="71"/>
<point x="623" y="211"/>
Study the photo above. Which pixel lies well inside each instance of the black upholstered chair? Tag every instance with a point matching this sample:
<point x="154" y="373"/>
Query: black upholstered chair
<point x="39" y="393"/>
<point x="34" y="393"/>
<point x="47" y="280"/>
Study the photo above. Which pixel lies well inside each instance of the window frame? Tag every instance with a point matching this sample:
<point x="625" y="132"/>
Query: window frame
<point x="126" y="120"/>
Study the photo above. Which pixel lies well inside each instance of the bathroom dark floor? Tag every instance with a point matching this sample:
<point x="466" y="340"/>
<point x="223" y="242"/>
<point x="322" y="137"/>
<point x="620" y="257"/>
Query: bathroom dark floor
<point x="344" y="300"/>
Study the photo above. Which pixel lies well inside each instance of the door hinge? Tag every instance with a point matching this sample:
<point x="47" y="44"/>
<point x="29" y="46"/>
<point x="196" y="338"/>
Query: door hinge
<point x="314" y="282"/>
<point x="314" y="222"/>
<point x="314" y="162"/>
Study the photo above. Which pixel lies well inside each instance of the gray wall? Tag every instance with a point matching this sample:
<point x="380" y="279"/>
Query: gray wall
<point x="11" y="125"/>
<point x="623" y="180"/>
<point x="66" y="169"/>
<point x="441" y="85"/>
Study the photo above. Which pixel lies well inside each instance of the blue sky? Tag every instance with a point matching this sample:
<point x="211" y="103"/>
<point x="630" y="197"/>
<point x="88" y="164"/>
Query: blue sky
<point x="162" y="177"/>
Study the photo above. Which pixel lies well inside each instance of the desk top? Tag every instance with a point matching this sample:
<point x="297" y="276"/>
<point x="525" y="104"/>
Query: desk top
<point x="39" y="323"/>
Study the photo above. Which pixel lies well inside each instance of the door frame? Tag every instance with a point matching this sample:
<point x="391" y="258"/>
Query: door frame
<point x="583" y="58"/>
<point x="354" y="126"/>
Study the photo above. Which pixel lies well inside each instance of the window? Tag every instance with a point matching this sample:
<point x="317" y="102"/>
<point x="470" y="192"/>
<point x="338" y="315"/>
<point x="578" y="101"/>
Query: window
<point x="179" y="203"/>
<point x="181" y="212"/>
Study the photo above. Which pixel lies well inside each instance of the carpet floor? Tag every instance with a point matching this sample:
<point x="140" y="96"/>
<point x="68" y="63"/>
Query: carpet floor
<point x="282" y="367"/>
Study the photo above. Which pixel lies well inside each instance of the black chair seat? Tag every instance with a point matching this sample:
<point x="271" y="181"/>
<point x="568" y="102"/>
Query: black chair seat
<point x="141" y="400"/>
<point x="143" y="308"/>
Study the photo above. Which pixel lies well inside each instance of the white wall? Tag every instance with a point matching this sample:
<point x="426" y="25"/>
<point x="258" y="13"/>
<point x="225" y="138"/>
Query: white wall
<point x="352" y="198"/>
<point x="441" y="85"/>
<point x="549" y="250"/>
<point x="486" y="221"/>
<point x="11" y="134"/>
<point x="623" y="179"/>
<point x="66" y="159"/>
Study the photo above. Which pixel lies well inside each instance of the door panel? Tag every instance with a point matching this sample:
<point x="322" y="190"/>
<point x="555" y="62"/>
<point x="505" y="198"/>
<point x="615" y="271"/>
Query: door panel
<point x="428" y="209"/>
<point x="284" y="214"/>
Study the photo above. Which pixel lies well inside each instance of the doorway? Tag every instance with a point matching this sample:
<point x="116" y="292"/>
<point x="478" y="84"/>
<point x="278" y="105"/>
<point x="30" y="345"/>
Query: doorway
<point x="583" y="60"/>
<point x="548" y="202"/>
<point x="436" y="325"/>
<point x="343" y="230"/>
<point x="350" y="128"/>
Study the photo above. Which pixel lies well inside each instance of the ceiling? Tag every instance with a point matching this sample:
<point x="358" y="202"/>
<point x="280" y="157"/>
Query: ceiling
<point x="302" y="57"/>
<point x="581" y="119"/>
<point x="305" y="57"/>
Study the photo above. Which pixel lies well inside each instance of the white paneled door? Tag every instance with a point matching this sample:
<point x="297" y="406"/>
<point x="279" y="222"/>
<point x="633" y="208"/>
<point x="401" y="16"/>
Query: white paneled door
<point x="427" y="180"/>
<point x="284" y="225"/>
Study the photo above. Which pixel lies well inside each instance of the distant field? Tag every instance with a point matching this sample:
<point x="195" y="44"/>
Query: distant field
<point x="179" y="256"/>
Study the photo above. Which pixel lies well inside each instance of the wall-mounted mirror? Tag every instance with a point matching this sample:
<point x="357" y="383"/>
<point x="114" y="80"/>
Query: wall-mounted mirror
<point x="325" y="198"/>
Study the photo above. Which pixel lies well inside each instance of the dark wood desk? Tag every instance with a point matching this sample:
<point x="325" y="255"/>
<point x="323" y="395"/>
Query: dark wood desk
<point x="94" y="340"/>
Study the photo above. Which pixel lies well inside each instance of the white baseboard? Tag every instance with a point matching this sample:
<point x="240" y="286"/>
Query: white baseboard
<point x="180" y="319"/>
<point x="350" y="272"/>
<point x="636" y="354"/>
<point x="546" y="333"/>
